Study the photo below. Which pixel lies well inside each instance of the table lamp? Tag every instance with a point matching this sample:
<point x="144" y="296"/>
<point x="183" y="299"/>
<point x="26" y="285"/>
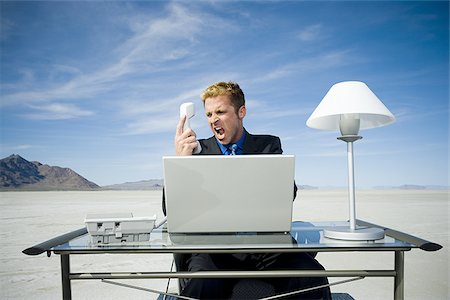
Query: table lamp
<point x="350" y="106"/>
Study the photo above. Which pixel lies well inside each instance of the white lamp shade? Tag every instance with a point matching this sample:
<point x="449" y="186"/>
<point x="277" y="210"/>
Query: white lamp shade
<point x="350" y="97"/>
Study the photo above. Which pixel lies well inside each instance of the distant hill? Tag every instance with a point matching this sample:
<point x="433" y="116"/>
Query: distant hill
<point x="307" y="187"/>
<point x="158" y="184"/>
<point x="413" y="187"/>
<point x="152" y="184"/>
<point x="17" y="173"/>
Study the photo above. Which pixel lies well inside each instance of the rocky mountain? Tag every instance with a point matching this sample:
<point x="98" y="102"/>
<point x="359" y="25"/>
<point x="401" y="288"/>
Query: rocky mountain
<point x="17" y="173"/>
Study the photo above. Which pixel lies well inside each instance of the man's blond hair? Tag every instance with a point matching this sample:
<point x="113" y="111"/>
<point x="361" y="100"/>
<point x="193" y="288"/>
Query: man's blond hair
<point x="230" y="89"/>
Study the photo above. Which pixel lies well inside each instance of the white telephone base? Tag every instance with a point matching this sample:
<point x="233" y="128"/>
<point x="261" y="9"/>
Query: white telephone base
<point x="119" y="228"/>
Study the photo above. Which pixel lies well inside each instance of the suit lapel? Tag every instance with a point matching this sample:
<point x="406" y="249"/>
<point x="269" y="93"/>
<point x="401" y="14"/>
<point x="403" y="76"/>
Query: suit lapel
<point x="249" y="144"/>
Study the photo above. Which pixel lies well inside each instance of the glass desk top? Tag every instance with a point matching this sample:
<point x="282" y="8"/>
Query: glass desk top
<point x="304" y="236"/>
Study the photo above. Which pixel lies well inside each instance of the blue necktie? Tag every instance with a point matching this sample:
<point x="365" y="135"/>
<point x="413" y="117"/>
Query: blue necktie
<point x="233" y="149"/>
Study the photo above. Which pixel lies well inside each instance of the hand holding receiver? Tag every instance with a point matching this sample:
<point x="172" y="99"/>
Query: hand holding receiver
<point x="188" y="109"/>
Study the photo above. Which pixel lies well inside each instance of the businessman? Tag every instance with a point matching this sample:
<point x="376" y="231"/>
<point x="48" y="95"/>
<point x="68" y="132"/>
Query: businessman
<point x="225" y="110"/>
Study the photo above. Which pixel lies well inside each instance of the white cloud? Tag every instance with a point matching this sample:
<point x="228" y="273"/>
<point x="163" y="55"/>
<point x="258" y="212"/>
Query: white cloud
<point x="6" y="27"/>
<point x="153" y="106"/>
<point x="310" y="33"/>
<point x="20" y="147"/>
<point x="57" y="111"/>
<point x="408" y="113"/>
<point x="263" y="110"/>
<point x="152" y="124"/>
<point x="23" y="147"/>
<point x="154" y="43"/>
<point x="307" y="65"/>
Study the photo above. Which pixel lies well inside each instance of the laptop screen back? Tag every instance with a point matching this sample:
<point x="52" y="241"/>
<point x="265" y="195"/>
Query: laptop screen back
<point x="217" y="193"/>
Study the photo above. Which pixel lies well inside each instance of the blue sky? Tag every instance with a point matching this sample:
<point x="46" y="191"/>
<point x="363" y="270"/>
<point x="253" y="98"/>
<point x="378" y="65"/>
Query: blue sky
<point x="96" y="86"/>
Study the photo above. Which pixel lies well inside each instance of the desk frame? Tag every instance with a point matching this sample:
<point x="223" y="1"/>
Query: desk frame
<point x="397" y="273"/>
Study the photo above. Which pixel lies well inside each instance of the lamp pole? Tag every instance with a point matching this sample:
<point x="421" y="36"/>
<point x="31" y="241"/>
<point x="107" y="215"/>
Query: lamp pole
<point x="349" y="139"/>
<point x="352" y="232"/>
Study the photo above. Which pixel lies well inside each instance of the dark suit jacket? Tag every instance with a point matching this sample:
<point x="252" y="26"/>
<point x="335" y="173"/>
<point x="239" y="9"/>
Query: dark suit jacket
<point x="253" y="144"/>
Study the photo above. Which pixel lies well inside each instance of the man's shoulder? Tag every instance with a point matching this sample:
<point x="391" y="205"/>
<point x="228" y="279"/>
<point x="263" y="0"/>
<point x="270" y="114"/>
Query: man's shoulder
<point x="262" y="144"/>
<point x="207" y="141"/>
<point x="264" y="136"/>
<point x="209" y="146"/>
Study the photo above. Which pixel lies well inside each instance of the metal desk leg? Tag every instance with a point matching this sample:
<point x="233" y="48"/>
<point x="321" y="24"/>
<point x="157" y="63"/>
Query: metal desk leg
<point x="65" y="276"/>
<point x="399" y="276"/>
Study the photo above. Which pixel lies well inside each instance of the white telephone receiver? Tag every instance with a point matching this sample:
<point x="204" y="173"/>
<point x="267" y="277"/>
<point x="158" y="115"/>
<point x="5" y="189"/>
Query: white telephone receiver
<point x="188" y="109"/>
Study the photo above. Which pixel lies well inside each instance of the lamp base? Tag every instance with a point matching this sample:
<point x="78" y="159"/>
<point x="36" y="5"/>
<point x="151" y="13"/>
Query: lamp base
<point x="358" y="234"/>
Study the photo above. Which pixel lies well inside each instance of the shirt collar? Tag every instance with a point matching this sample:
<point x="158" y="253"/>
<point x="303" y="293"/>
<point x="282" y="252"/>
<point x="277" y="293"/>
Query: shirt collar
<point x="239" y="143"/>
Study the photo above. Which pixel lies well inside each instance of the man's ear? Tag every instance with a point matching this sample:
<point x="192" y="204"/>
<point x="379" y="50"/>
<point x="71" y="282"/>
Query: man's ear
<point x="242" y="112"/>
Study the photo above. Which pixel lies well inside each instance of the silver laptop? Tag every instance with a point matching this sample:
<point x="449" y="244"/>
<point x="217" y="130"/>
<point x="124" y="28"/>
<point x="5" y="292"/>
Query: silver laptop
<point x="218" y="193"/>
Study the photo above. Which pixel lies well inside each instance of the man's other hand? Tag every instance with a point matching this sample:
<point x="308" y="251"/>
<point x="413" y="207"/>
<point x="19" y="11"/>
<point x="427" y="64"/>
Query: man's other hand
<point x="185" y="142"/>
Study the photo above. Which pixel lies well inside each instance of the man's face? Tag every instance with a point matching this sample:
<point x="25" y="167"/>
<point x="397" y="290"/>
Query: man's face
<point x="223" y="120"/>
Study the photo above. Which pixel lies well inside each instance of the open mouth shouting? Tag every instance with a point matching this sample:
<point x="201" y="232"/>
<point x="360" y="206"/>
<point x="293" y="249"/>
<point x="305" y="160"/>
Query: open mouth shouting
<point x="220" y="132"/>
